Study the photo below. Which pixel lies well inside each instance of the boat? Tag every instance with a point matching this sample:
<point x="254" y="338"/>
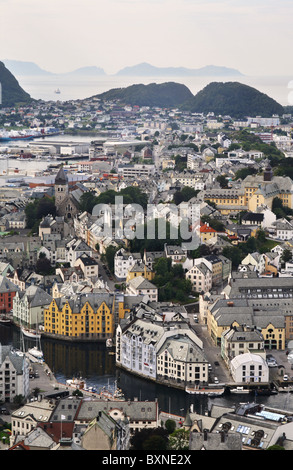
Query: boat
<point x="5" y="319"/>
<point x="109" y="343"/>
<point x="30" y="333"/>
<point x="209" y="391"/>
<point x="76" y="383"/>
<point x="240" y="390"/>
<point x="35" y="352"/>
<point x="57" y="91"/>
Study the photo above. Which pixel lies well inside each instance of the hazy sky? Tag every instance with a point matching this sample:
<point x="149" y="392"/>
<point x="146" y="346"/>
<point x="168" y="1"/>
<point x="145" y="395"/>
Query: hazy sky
<point x="255" y="37"/>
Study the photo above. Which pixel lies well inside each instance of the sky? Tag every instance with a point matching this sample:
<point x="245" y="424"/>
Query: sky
<point x="254" y="37"/>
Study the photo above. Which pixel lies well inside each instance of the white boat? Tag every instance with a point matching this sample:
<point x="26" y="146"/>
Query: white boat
<point x="5" y="319"/>
<point x="211" y="392"/>
<point x="30" y="333"/>
<point x="109" y="343"/>
<point x="76" y="383"/>
<point x="35" y="352"/>
<point x="240" y="390"/>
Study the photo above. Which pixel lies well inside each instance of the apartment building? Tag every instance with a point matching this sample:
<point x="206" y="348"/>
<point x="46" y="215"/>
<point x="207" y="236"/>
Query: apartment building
<point x="82" y="317"/>
<point x="14" y="374"/>
<point x="161" y="350"/>
<point x="123" y="262"/>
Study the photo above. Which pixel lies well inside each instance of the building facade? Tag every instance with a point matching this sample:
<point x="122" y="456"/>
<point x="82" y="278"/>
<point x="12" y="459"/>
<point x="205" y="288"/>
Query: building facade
<point x="81" y="317"/>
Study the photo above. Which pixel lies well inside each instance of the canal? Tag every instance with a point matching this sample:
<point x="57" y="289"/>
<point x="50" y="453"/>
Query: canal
<point x="96" y="365"/>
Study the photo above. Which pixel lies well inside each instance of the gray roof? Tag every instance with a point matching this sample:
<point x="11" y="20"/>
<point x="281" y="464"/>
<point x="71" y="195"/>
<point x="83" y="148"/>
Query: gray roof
<point x="134" y="410"/>
<point x="14" y="357"/>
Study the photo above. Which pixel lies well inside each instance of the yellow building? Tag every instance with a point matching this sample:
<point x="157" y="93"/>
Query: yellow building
<point x="82" y="317"/>
<point x="140" y="269"/>
<point x="225" y="314"/>
<point x="255" y="190"/>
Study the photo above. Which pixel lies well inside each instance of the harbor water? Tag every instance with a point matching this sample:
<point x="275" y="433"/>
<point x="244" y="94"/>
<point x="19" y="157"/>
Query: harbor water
<point x="96" y="365"/>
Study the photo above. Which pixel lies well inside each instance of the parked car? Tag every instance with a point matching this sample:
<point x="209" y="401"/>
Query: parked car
<point x="285" y="377"/>
<point x="216" y="380"/>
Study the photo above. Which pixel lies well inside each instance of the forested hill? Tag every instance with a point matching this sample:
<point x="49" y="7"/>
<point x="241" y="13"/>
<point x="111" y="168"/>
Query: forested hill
<point x="162" y="95"/>
<point x="12" y="93"/>
<point x="233" y="99"/>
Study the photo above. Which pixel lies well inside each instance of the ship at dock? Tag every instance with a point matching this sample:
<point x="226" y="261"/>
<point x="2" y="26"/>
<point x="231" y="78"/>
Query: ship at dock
<point x="27" y="134"/>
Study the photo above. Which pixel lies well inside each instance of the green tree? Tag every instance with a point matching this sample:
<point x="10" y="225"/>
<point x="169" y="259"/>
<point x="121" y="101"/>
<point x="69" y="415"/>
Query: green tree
<point x="179" y="440"/>
<point x="170" y="425"/>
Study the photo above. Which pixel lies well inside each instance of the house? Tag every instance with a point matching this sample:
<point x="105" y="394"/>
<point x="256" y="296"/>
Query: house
<point x="7" y="293"/>
<point x="29" y="305"/>
<point x="14" y="373"/>
<point x="283" y="229"/>
<point x="207" y="233"/>
<point x="176" y="253"/>
<point x="249" y="368"/>
<point x="27" y="418"/>
<point x="88" y="265"/>
<point x="123" y="262"/>
<point x="215" y="441"/>
<point x="105" y="433"/>
<point x="139" y="414"/>
<point x="200" y="276"/>
<point x="140" y="269"/>
<point x="239" y="340"/>
<point x="75" y="248"/>
<point x="141" y="286"/>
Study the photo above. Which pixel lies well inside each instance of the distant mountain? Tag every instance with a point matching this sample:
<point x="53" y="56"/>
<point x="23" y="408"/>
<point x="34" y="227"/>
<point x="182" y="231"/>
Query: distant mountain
<point x="87" y="71"/>
<point x="30" y="69"/>
<point x="12" y="93"/>
<point x="26" y="69"/>
<point x="233" y="99"/>
<point x="144" y="70"/>
<point x="161" y="95"/>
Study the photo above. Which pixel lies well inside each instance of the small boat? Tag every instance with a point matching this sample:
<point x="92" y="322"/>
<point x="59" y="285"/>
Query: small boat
<point x="209" y="391"/>
<point x="76" y="383"/>
<point x="240" y="390"/>
<point x="35" y="352"/>
<point x="57" y="91"/>
<point x="30" y="333"/>
<point x="5" y="319"/>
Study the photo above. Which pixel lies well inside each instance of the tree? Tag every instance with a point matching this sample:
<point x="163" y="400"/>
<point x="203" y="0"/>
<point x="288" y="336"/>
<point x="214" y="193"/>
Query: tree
<point x="286" y="256"/>
<point x="222" y="180"/>
<point x="170" y="425"/>
<point x="179" y="439"/>
<point x="140" y="440"/>
<point x="43" y="265"/>
<point x="185" y="195"/>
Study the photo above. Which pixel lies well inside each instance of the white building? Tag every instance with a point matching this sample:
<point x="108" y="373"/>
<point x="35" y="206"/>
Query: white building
<point x="129" y="171"/>
<point x="14" y="374"/>
<point x="249" y="368"/>
<point x="141" y="286"/>
<point x="29" y="305"/>
<point x="157" y="349"/>
<point x="200" y="275"/>
<point x="123" y="262"/>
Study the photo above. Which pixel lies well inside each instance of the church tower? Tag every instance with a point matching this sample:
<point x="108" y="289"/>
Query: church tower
<point x="61" y="189"/>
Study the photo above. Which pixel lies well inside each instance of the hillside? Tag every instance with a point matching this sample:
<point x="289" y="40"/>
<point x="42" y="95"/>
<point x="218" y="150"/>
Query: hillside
<point x="12" y="93"/>
<point x="234" y="99"/>
<point x="162" y="95"/>
<point x="147" y="70"/>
